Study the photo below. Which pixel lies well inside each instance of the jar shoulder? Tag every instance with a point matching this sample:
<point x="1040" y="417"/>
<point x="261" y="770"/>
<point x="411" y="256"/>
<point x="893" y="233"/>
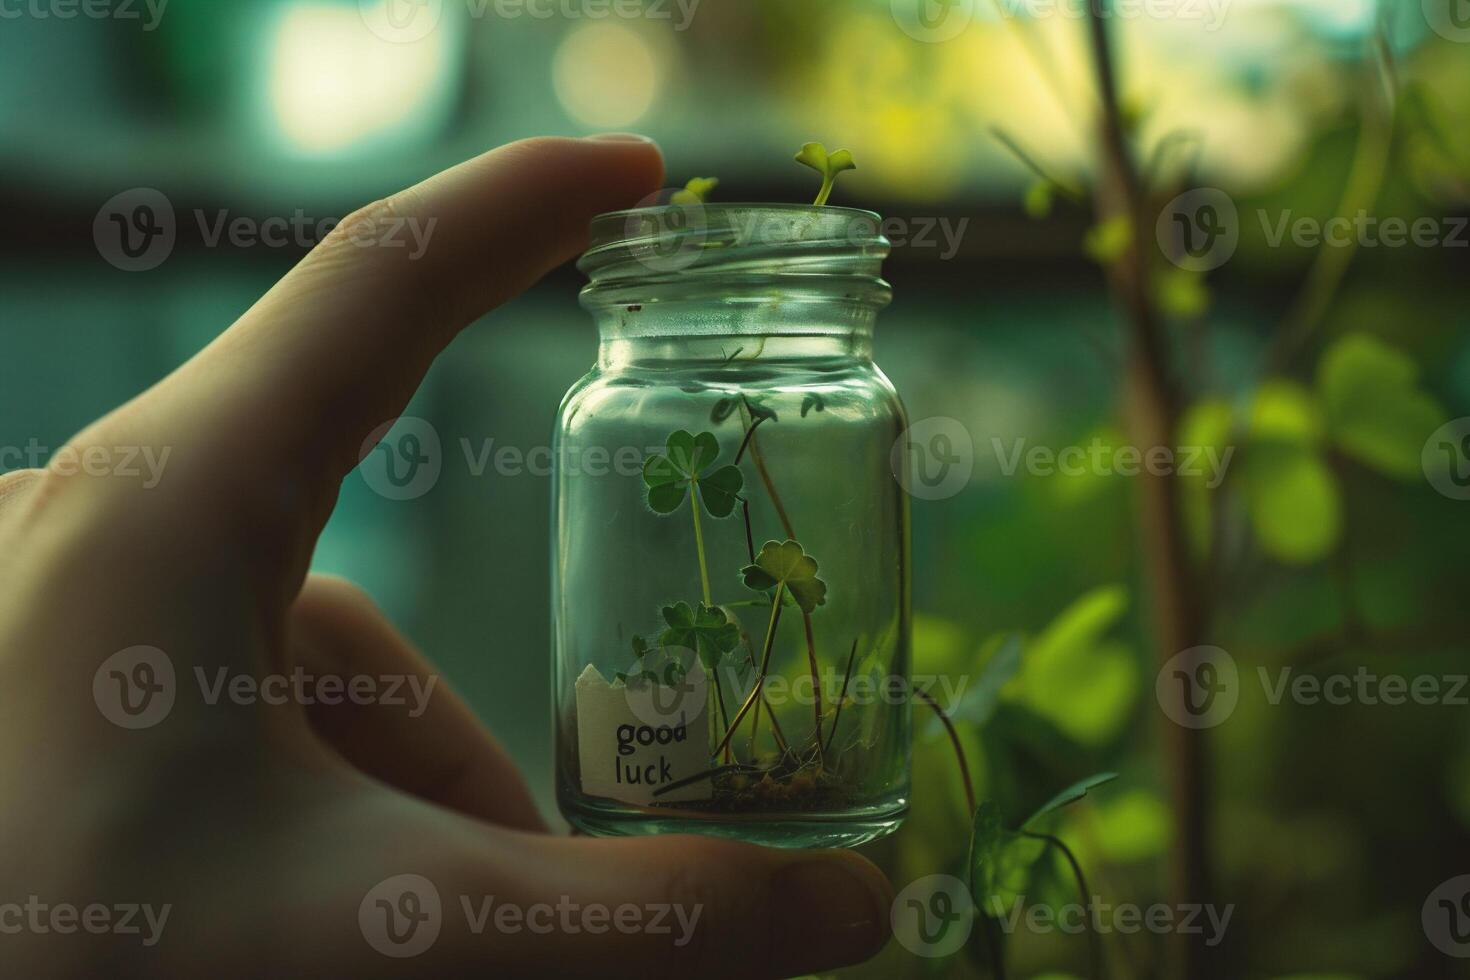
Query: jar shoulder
<point x="855" y="392"/>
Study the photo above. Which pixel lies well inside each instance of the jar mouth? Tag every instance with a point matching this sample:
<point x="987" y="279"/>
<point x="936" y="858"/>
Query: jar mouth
<point x="673" y="239"/>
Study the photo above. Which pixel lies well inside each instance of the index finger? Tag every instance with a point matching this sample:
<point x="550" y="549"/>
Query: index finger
<point x="264" y="422"/>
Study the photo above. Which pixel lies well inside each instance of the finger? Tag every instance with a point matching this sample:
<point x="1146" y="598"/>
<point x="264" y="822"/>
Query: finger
<point x="723" y="909"/>
<point x="431" y="745"/>
<point x="264" y="423"/>
<point x="15" y="487"/>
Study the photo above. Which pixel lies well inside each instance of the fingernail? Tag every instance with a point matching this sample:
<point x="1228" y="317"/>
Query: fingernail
<point x="836" y="913"/>
<point x="620" y="138"/>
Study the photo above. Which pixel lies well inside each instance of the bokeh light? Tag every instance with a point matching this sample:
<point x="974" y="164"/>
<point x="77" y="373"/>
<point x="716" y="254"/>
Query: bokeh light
<point x="606" y="75"/>
<point x="333" y="85"/>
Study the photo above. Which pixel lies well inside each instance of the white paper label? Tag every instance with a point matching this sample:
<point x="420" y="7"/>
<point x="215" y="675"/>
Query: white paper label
<point x="633" y="741"/>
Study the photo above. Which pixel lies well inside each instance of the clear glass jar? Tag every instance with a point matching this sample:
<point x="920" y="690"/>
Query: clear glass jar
<point x="730" y="546"/>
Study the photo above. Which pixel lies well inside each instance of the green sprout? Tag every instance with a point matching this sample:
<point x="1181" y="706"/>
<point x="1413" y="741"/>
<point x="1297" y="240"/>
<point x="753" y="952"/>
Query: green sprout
<point x="815" y="155"/>
<point x="687" y="469"/>
<point x="697" y="191"/>
<point x="703" y="629"/>
<point x="782" y="566"/>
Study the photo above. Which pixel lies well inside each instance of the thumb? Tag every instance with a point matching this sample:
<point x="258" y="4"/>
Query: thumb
<point x="686" y="906"/>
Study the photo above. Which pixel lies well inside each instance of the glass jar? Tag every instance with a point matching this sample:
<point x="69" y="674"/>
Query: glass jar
<point x="730" y="545"/>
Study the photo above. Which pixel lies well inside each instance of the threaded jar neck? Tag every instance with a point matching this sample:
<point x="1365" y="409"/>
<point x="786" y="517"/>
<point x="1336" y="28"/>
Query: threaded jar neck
<point x="714" y="274"/>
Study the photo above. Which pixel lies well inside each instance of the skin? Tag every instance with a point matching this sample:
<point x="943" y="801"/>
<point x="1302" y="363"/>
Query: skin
<point x="263" y="827"/>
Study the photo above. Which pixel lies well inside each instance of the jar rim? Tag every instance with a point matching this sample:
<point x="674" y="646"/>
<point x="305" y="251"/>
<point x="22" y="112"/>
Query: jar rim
<point x="696" y="238"/>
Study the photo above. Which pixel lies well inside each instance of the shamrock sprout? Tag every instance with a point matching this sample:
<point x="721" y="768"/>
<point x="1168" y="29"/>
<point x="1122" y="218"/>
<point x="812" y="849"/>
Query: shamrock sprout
<point x="685" y="469"/>
<point x="697" y="191"/>
<point x="815" y="155"/>
<point x="782" y="566"/>
<point x="688" y="469"/>
<point x="703" y="629"/>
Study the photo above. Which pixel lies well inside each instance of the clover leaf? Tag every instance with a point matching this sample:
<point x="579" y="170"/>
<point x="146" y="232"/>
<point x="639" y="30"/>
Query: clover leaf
<point x="687" y="464"/>
<point x="1070" y="795"/>
<point x="703" y="629"/>
<point x="829" y="165"/>
<point x="784" y="563"/>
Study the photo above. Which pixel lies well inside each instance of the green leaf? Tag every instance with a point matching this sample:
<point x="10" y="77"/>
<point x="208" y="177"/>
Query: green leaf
<point x="640" y="648"/>
<point x="1073" y="678"/>
<point x="723" y="409"/>
<point x="1206" y="425"/>
<point x="1106" y="243"/>
<point x="703" y="629"/>
<point x="697" y="191"/>
<point x="1181" y="293"/>
<point x="979" y="702"/>
<point x="720" y="490"/>
<point x="1375" y="410"/>
<point x="1131" y="826"/>
<point x="785" y="563"/>
<point x="987" y="835"/>
<point x="1293" y="501"/>
<point x="829" y="165"/>
<point x="811" y="402"/>
<point x="1070" y="795"/>
<point x="759" y="411"/>
<point x="669" y="477"/>
<point x="1000" y="861"/>
<point x="1039" y="198"/>
<point x="1286" y="411"/>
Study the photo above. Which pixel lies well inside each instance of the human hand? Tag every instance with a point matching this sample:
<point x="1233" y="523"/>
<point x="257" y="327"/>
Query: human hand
<point x="263" y="828"/>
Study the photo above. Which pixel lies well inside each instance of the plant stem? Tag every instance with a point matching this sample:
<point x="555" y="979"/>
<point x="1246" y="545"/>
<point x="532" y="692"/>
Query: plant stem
<point x="806" y="617"/>
<point x="954" y="740"/>
<point x="842" y="698"/>
<point x="704" y="585"/>
<point x="776" y="732"/>
<point x="1094" y="941"/>
<point x="826" y="192"/>
<point x="996" y="942"/>
<point x="760" y="678"/>
<point x="699" y="540"/>
<point x="707" y="774"/>
<point x="1152" y="412"/>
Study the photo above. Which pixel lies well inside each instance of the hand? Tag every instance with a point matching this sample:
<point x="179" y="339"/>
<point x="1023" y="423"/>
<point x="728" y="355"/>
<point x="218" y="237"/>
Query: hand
<point x="264" y="828"/>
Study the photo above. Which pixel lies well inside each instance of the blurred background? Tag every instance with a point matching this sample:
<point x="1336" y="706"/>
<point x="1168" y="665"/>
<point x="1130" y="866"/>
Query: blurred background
<point x="1336" y="545"/>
